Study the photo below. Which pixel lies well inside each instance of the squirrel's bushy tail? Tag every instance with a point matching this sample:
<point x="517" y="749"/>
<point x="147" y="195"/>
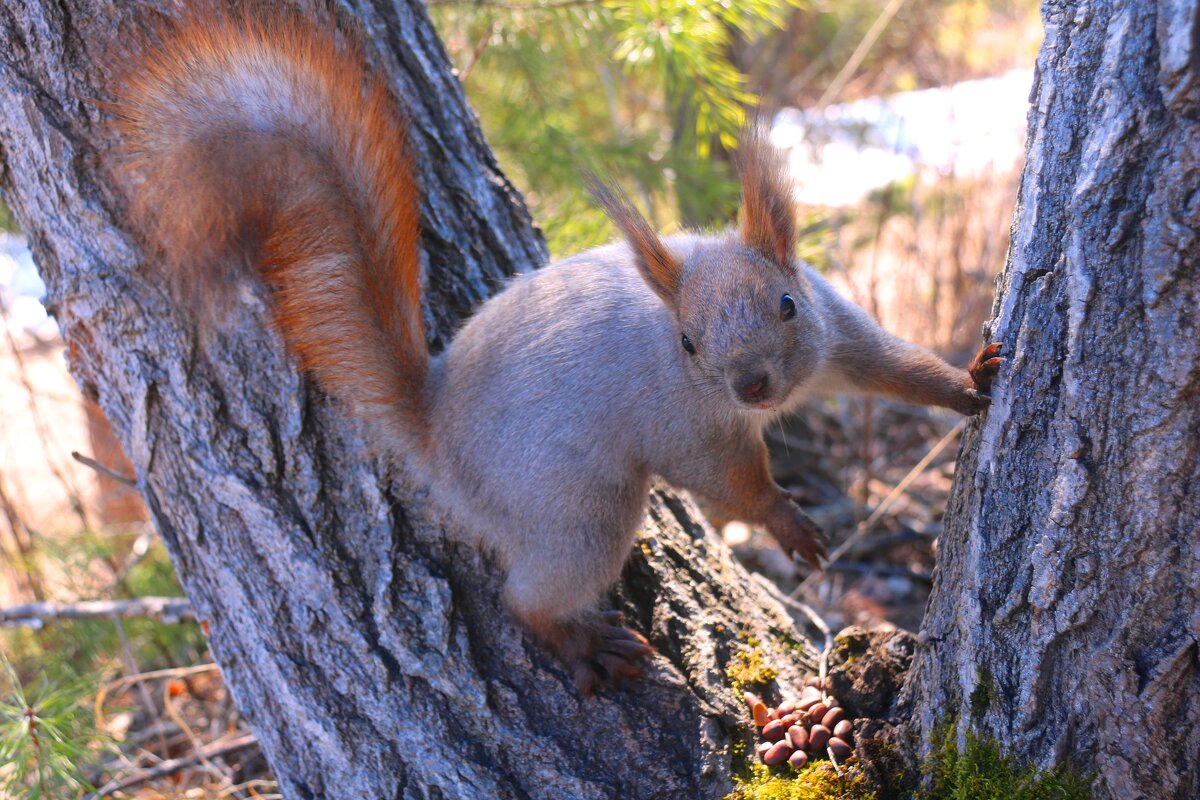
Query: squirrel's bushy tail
<point x="265" y="141"/>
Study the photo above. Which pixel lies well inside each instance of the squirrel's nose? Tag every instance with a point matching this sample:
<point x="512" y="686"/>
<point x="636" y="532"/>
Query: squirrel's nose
<point x="752" y="389"/>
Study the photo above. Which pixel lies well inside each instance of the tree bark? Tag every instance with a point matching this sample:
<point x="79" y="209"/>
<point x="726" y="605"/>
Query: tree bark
<point x="1065" y="613"/>
<point x="371" y="656"/>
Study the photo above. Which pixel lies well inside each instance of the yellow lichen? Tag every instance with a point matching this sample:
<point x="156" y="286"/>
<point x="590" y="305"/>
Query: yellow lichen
<point x="749" y="668"/>
<point x="817" y="782"/>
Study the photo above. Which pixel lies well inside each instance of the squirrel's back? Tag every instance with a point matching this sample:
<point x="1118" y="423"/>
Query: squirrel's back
<point x="585" y="331"/>
<point x="577" y="363"/>
<point x="259" y="137"/>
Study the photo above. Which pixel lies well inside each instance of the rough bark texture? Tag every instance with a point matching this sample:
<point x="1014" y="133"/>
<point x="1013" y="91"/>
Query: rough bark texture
<point x="371" y="657"/>
<point x="1065" y="613"/>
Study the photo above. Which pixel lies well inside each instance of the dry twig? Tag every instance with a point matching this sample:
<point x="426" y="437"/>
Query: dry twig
<point x="808" y="611"/>
<point x="869" y="523"/>
<point x="217" y="749"/>
<point x="856" y="58"/>
<point x="22" y="537"/>
<point x="158" y="674"/>
<point x="103" y="470"/>
<point x="178" y="719"/>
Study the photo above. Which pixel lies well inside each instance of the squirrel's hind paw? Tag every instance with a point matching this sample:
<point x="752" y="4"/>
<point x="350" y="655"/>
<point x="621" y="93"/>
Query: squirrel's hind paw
<point x="601" y="650"/>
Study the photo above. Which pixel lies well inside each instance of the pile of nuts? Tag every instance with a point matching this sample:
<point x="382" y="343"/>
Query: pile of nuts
<point x="797" y="730"/>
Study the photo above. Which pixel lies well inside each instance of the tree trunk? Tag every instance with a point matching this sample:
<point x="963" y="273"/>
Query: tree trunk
<point x="371" y="656"/>
<point x="1065" y="613"/>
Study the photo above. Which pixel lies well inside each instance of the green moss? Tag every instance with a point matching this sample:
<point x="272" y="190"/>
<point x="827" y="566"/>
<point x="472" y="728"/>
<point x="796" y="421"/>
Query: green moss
<point x="739" y="760"/>
<point x="981" y="695"/>
<point x="7" y="223"/>
<point x="789" y="641"/>
<point x="849" y="646"/>
<point x="893" y="775"/>
<point x="817" y="782"/>
<point x="981" y="771"/>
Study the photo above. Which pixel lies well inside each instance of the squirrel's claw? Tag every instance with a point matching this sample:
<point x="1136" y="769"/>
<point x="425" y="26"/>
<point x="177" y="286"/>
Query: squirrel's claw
<point x="799" y="536"/>
<point x="611" y="654"/>
<point x="818" y="561"/>
<point x="981" y="399"/>
<point x="813" y="552"/>
<point x="585" y="678"/>
<point x="627" y="643"/>
<point x="816" y="556"/>
<point x="985" y="366"/>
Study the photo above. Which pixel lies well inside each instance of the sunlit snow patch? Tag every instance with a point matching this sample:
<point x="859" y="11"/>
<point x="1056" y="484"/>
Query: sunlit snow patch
<point x="840" y="153"/>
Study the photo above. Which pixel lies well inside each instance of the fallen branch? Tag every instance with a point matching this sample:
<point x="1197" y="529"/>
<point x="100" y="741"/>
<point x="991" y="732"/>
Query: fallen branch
<point x="36" y="615"/>
<point x="216" y="749"/>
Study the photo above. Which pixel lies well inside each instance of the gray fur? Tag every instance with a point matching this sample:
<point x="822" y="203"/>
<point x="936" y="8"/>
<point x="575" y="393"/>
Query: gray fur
<point x="564" y="394"/>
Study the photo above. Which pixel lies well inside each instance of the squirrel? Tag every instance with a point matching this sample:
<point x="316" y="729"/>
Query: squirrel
<point x="261" y="138"/>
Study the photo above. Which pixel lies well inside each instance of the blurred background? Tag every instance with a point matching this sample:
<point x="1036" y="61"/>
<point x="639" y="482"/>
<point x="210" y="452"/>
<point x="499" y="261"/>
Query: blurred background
<point x="903" y="122"/>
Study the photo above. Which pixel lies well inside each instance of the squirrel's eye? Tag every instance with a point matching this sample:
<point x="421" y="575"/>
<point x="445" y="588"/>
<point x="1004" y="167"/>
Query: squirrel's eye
<point x="687" y="345"/>
<point x="787" y="307"/>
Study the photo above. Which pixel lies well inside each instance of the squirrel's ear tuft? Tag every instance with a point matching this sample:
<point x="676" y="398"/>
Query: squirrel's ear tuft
<point x="659" y="267"/>
<point x="768" y="210"/>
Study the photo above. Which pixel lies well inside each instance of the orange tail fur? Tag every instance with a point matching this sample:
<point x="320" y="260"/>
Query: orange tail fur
<point x="267" y="139"/>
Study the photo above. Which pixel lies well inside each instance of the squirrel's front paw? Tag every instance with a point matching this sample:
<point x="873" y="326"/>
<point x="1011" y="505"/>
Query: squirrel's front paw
<point x="985" y="366"/>
<point x="798" y="535"/>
